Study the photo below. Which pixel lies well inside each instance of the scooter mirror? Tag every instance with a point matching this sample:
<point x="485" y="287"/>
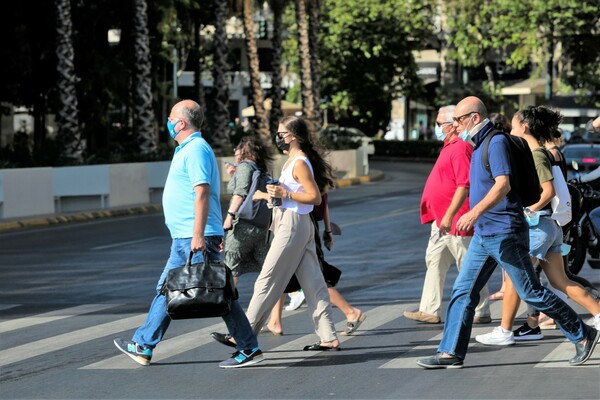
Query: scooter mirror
<point x="575" y="165"/>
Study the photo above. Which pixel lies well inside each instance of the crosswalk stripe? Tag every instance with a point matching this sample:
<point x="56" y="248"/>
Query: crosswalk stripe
<point x="189" y="341"/>
<point x="559" y="357"/>
<point x="51" y="316"/>
<point x="59" y="342"/>
<point x="168" y="348"/>
<point x="409" y="359"/>
<point x="288" y="353"/>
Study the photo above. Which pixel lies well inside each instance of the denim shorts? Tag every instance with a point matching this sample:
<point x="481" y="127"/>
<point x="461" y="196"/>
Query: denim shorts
<point x="545" y="237"/>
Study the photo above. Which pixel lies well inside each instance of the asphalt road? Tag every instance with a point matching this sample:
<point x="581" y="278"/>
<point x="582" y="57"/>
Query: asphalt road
<point x="67" y="291"/>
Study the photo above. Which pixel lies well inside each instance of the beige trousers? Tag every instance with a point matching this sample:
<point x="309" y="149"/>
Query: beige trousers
<point x="292" y="252"/>
<point x="440" y="253"/>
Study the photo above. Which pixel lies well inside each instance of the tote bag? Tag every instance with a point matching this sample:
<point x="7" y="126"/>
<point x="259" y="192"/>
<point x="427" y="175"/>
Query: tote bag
<point x="561" y="202"/>
<point x="201" y="290"/>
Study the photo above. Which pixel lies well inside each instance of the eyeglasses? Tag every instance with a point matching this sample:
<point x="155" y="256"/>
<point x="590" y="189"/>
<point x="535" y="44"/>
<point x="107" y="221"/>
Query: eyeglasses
<point x="171" y="120"/>
<point x="282" y="134"/>
<point x="462" y="117"/>
<point x="440" y="124"/>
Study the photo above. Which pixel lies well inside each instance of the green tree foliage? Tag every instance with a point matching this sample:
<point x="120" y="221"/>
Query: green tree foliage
<point x="366" y="56"/>
<point x="563" y="32"/>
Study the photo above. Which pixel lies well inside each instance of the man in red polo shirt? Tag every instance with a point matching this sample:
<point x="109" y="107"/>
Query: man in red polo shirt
<point x="445" y="199"/>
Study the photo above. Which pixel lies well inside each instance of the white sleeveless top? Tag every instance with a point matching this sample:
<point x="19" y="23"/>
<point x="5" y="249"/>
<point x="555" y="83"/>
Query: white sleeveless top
<point x="291" y="185"/>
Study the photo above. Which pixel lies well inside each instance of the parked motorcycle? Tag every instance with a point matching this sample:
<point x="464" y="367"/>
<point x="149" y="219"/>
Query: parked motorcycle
<point x="580" y="233"/>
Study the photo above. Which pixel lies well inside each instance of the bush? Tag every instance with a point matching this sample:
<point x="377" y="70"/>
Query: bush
<point x="408" y="149"/>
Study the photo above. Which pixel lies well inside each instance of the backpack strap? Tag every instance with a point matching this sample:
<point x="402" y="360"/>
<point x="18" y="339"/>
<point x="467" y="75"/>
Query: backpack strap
<point x="485" y="158"/>
<point x="252" y="164"/>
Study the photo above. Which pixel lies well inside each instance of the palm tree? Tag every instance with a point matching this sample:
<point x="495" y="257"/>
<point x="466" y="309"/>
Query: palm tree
<point x="145" y="124"/>
<point x="220" y="138"/>
<point x="313" y="36"/>
<point x="68" y="114"/>
<point x="260" y="114"/>
<point x="277" y="41"/>
<point x="308" y="104"/>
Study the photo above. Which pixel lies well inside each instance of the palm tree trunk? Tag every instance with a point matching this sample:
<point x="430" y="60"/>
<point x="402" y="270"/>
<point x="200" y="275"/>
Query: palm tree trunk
<point x="220" y="138"/>
<point x="197" y="61"/>
<point x="68" y="114"/>
<point x="257" y="92"/>
<point x="276" y="113"/>
<point x="145" y="123"/>
<point x="313" y="37"/>
<point x="308" y="104"/>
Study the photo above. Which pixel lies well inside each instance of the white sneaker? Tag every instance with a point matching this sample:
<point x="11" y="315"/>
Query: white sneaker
<point x="497" y="337"/>
<point x="296" y="300"/>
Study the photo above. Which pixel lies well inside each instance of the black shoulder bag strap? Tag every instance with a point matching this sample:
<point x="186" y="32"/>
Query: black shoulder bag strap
<point x="485" y="158"/>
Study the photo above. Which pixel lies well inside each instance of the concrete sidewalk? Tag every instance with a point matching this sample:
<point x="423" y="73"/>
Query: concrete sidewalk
<point x="12" y="224"/>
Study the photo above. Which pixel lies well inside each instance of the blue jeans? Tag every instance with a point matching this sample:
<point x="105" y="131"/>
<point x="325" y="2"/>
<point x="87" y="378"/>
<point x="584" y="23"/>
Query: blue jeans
<point x="511" y="252"/>
<point x="157" y="321"/>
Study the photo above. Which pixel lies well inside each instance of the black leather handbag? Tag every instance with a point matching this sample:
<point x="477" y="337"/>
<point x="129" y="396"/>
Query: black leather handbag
<point x="201" y="290"/>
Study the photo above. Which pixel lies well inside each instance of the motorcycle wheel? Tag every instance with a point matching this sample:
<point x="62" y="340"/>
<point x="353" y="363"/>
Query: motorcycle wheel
<point x="577" y="255"/>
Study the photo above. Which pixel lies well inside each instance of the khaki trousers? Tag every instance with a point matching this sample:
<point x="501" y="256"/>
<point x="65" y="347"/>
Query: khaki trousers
<point x="440" y="254"/>
<point x="292" y="252"/>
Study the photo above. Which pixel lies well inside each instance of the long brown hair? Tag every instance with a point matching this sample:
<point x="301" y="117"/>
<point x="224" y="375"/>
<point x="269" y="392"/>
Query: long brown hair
<point x="316" y="154"/>
<point x="256" y="150"/>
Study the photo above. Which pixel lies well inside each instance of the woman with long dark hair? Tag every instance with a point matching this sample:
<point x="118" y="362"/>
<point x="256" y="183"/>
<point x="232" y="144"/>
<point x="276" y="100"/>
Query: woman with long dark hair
<point x="293" y="248"/>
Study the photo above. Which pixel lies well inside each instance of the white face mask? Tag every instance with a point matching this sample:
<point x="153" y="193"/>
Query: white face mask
<point x="439" y="133"/>
<point x="466" y="135"/>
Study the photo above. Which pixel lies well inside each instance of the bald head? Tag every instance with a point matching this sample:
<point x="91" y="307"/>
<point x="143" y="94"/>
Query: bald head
<point x="471" y="104"/>
<point x="190" y="111"/>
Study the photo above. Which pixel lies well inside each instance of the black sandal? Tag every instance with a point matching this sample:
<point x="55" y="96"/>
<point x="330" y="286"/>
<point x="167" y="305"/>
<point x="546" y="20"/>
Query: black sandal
<point x="223" y="339"/>
<point x="318" y="347"/>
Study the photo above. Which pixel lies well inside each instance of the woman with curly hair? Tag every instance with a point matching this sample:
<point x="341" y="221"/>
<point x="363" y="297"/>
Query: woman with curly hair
<point x="246" y="244"/>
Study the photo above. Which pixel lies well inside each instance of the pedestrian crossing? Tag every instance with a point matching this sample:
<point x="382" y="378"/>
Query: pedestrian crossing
<point x="282" y="356"/>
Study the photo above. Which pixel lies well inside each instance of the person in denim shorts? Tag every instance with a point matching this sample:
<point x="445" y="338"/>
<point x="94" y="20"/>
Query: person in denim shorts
<point x="537" y="125"/>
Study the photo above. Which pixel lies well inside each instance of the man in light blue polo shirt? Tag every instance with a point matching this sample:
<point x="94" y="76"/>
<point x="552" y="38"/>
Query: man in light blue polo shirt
<point x="192" y="208"/>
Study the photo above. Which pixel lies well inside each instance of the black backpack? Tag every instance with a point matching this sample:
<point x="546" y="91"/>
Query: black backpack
<point x="524" y="179"/>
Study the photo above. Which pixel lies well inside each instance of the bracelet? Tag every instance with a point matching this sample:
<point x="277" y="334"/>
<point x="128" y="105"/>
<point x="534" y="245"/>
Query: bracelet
<point x="231" y="213"/>
<point x="327" y="231"/>
<point x="289" y="195"/>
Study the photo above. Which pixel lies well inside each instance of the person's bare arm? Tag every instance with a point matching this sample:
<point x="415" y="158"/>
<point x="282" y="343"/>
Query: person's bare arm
<point x="460" y="195"/>
<point x="200" y="216"/>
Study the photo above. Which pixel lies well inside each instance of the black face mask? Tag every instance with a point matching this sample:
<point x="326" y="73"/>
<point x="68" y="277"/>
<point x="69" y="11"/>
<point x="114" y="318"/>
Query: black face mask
<point x="281" y="144"/>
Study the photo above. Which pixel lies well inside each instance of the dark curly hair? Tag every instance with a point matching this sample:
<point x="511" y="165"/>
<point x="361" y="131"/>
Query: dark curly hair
<point x="500" y="122"/>
<point x="316" y="154"/>
<point x="257" y="150"/>
<point x="542" y="122"/>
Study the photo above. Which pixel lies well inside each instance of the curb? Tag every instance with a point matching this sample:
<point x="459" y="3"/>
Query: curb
<point x="83" y="216"/>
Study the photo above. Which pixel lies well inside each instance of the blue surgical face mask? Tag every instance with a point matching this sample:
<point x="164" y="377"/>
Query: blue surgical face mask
<point x="439" y="133"/>
<point x="171" y="128"/>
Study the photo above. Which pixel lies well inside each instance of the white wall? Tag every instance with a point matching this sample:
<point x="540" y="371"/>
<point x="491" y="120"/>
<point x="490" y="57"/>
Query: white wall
<point x="40" y="191"/>
<point x="26" y="191"/>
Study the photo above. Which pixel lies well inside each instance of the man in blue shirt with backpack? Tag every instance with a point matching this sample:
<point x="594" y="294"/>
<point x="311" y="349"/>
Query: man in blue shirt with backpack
<point x="501" y="238"/>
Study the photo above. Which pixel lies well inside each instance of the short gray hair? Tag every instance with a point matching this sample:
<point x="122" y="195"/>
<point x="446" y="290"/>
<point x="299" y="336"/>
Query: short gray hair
<point x="447" y="110"/>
